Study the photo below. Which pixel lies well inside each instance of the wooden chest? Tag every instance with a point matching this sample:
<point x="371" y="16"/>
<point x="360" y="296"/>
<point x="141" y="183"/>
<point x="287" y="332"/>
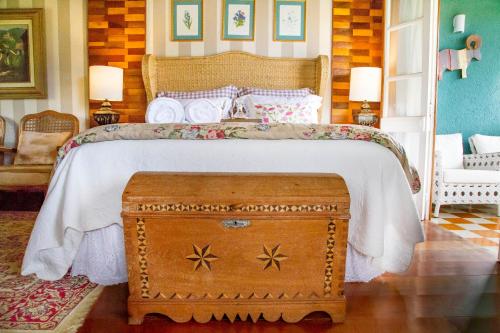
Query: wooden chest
<point x="203" y="245"/>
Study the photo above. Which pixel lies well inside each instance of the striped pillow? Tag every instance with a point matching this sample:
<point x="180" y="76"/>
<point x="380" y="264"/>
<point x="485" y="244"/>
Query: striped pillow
<point x="228" y="91"/>
<point x="275" y="92"/>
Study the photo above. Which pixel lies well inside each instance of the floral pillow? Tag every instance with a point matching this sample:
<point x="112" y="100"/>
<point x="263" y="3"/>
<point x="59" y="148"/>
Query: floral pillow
<point x="297" y="112"/>
<point x="285" y="113"/>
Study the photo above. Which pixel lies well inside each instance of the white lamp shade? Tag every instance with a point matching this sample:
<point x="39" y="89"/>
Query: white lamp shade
<point x="365" y="84"/>
<point x="105" y="82"/>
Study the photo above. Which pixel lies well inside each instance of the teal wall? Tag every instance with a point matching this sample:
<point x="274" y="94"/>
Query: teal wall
<point x="471" y="105"/>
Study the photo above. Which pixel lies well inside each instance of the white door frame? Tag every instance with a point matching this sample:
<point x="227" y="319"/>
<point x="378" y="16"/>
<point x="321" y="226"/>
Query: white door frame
<point x="424" y="124"/>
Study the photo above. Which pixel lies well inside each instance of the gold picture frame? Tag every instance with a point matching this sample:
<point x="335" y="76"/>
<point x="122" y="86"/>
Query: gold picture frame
<point x="22" y="54"/>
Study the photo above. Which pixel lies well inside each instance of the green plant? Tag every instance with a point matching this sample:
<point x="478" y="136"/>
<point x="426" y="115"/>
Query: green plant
<point x="11" y="48"/>
<point x="239" y="18"/>
<point x="188" y="21"/>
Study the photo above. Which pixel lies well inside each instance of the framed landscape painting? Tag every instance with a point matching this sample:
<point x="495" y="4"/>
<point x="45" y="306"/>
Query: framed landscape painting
<point x="238" y="20"/>
<point x="187" y="20"/>
<point x="290" y="20"/>
<point x="22" y="54"/>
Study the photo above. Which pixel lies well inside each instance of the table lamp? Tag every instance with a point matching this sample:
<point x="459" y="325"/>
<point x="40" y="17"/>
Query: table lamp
<point x="365" y="86"/>
<point x="106" y="84"/>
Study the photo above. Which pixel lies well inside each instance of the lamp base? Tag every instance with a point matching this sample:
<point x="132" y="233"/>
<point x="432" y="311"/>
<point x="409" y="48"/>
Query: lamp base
<point x="105" y="115"/>
<point x="365" y="117"/>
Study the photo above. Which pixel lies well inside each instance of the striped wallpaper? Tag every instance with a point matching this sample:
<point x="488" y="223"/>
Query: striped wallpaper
<point x="65" y="39"/>
<point x="318" y="34"/>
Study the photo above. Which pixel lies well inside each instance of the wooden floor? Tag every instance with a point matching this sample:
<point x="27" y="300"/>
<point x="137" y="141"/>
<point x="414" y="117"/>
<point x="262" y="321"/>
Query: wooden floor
<point x="451" y="286"/>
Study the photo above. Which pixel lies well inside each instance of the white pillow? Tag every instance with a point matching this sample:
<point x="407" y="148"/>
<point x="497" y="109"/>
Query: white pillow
<point x="163" y="110"/>
<point x="452" y="151"/>
<point x="223" y="103"/>
<point x="485" y="144"/>
<point x="247" y="102"/>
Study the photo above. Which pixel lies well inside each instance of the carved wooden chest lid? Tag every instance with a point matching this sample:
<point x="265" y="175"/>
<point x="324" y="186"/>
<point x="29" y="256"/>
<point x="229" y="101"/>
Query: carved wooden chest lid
<point x="217" y="193"/>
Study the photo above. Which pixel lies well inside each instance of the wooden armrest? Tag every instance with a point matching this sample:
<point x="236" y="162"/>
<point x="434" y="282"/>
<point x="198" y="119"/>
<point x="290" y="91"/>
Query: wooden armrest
<point x="7" y="150"/>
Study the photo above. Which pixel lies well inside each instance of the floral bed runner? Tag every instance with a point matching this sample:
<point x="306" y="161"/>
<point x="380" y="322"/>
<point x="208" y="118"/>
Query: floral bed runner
<point x="224" y="131"/>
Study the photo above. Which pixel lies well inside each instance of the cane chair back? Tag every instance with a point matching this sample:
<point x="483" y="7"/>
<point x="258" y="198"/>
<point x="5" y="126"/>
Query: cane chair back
<point x="34" y="176"/>
<point x="49" y="122"/>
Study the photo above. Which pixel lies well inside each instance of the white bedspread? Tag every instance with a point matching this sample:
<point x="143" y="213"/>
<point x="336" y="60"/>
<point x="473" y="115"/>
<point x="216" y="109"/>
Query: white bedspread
<point x="85" y="195"/>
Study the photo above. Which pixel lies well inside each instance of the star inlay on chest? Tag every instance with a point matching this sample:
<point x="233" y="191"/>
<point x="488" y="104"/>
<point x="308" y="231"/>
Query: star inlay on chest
<point x="272" y="257"/>
<point x="202" y="257"/>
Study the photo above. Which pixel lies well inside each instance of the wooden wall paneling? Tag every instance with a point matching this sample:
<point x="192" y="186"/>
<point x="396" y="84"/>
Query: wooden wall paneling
<point x="117" y="37"/>
<point x="357" y="41"/>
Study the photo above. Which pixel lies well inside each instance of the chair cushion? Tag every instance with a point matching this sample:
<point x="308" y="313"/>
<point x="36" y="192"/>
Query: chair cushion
<point x="485" y="144"/>
<point x="24" y="175"/>
<point x="452" y="151"/>
<point x="462" y="176"/>
<point x="39" y="148"/>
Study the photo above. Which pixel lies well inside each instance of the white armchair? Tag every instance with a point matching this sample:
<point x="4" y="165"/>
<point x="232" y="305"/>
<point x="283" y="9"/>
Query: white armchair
<point x="464" y="179"/>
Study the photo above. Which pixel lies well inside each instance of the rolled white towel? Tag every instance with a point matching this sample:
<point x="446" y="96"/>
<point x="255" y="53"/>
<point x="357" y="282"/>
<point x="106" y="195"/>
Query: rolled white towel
<point x="224" y="103"/>
<point x="164" y="110"/>
<point x="202" y="111"/>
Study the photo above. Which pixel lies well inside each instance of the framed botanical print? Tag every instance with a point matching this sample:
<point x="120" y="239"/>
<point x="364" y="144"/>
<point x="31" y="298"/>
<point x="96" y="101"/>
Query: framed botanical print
<point x="187" y="20"/>
<point x="290" y="20"/>
<point x="238" y="19"/>
<point x="22" y="54"/>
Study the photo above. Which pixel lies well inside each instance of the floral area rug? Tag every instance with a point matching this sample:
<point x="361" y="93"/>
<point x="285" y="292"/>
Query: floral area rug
<point x="28" y="303"/>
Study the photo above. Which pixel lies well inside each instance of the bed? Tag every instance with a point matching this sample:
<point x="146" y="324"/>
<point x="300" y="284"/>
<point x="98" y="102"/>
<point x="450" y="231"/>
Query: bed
<point x="79" y="228"/>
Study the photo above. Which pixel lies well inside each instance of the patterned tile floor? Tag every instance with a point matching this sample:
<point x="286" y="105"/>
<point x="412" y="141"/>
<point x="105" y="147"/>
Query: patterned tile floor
<point x="479" y="225"/>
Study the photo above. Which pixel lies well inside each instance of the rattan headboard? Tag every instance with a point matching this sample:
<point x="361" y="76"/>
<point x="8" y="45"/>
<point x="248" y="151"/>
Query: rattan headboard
<point x="238" y="68"/>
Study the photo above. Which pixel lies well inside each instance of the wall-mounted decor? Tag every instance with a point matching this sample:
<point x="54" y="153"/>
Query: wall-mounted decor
<point x="238" y="19"/>
<point x="459" y="23"/>
<point x="22" y="54"/>
<point x="460" y="59"/>
<point x="289" y="20"/>
<point x="187" y="20"/>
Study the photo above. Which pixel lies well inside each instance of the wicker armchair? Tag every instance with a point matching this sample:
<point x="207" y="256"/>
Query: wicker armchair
<point x="33" y="176"/>
<point x="482" y="161"/>
<point x="475" y="181"/>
